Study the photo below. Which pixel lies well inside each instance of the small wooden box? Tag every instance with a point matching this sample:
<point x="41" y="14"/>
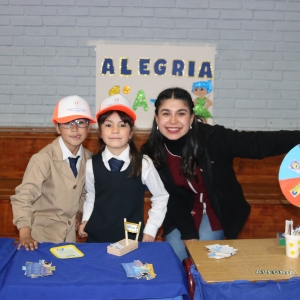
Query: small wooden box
<point x="132" y="245"/>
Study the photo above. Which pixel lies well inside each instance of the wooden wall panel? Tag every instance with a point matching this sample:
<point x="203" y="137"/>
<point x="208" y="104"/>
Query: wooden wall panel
<point x="18" y="145"/>
<point x="257" y="177"/>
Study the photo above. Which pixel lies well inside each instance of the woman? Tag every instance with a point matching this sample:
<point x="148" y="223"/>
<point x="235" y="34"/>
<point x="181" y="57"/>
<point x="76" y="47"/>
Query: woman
<point x="194" y="161"/>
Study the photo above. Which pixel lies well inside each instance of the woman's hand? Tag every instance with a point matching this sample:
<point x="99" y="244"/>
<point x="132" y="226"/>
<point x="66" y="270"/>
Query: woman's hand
<point x="26" y="240"/>
<point x="147" y="238"/>
<point x="81" y="231"/>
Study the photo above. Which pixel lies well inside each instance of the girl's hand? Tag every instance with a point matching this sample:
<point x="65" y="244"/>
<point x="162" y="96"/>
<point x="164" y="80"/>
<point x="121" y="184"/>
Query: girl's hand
<point x="147" y="238"/>
<point x="26" y="240"/>
<point x="81" y="231"/>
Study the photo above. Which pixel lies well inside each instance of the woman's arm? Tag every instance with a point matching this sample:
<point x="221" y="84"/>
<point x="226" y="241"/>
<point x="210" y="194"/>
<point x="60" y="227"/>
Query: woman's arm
<point x="252" y="144"/>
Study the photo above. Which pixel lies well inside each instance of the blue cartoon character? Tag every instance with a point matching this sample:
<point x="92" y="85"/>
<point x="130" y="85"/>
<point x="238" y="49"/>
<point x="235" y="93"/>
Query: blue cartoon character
<point x="201" y="103"/>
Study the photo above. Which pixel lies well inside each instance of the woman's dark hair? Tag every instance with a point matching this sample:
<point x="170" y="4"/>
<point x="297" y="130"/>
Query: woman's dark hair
<point x="192" y="150"/>
<point x="135" y="156"/>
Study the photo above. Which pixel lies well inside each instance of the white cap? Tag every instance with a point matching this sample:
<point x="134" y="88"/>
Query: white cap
<point x="71" y="108"/>
<point x="116" y="102"/>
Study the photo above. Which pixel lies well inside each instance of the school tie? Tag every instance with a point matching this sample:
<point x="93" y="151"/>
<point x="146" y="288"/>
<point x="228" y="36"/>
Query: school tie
<point x="115" y="164"/>
<point x="73" y="162"/>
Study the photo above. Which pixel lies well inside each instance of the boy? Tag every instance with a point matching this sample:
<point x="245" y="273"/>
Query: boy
<point x="52" y="191"/>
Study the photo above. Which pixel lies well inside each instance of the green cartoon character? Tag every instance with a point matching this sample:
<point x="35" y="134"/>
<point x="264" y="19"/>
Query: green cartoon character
<point x="201" y="103"/>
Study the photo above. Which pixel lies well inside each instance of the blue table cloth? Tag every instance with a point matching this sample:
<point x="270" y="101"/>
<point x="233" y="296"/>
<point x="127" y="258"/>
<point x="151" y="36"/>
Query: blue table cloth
<point x="7" y="251"/>
<point x="96" y="275"/>
<point x="245" y="290"/>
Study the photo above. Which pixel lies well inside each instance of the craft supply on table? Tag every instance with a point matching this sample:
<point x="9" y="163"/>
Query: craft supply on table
<point x="66" y="251"/>
<point x="292" y="239"/>
<point x="126" y="245"/>
<point x="289" y="229"/>
<point x="280" y="236"/>
<point x="220" y="251"/>
<point x="38" y="269"/>
<point x="138" y="270"/>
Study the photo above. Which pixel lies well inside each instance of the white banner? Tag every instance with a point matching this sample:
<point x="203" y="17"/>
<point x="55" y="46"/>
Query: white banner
<point x="132" y="227"/>
<point x="141" y="72"/>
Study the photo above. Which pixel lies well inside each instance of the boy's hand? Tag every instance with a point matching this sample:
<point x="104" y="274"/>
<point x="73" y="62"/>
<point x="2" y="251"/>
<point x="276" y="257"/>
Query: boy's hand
<point x="26" y="240"/>
<point x="81" y="231"/>
<point x="78" y="219"/>
<point x="147" y="238"/>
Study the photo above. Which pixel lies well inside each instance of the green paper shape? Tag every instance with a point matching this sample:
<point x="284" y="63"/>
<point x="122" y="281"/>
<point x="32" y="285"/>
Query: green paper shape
<point x="140" y="100"/>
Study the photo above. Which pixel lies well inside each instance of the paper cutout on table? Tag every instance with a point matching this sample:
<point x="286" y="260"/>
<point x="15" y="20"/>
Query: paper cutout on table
<point x="66" y="251"/>
<point x="220" y="251"/>
<point x="116" y="246"/>
<point x="38" y="269"/>
<point x="138" y="270"/>
<point x="289" y="176"/>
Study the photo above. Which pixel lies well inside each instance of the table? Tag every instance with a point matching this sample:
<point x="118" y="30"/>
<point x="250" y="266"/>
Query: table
<point x="259" y="270"/>
<point x="96" y="275"/>
<point x="7" y="251"/>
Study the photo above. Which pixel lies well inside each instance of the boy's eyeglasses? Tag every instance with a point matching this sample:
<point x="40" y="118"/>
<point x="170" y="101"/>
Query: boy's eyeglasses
<point x="80" y="123"/>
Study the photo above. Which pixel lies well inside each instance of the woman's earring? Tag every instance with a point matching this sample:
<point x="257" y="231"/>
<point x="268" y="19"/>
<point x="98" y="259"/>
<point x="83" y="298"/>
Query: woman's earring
<point x="156" y="127"/>
<point x="191" y="126"/>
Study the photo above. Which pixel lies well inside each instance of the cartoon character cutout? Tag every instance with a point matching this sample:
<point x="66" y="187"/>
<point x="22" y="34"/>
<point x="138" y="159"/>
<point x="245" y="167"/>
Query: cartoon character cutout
<point x="295" y="166"/>
<point x="202" y="103"/>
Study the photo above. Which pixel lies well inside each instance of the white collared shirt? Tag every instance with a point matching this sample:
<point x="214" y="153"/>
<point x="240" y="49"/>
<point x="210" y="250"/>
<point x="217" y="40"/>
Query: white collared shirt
<point x="107" y="155"/>
<point x="149" y="176"/>
<point x="67" y="153"/>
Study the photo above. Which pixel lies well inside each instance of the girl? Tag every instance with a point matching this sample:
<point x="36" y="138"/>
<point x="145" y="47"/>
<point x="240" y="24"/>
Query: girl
<point x="115" y="179"/>
<point x="194" y="161"/>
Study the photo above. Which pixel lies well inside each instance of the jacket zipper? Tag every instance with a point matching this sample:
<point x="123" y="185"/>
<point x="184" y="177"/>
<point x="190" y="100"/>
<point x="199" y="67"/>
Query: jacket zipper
<point x="200" y="198"/>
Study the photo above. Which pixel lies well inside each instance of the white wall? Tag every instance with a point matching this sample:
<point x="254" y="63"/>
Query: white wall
<point x="46" y="53"/>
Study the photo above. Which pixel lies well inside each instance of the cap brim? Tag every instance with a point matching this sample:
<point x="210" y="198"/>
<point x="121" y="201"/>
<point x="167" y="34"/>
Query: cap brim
<point x="122" y="108"/>
<point x="71" y="118"/>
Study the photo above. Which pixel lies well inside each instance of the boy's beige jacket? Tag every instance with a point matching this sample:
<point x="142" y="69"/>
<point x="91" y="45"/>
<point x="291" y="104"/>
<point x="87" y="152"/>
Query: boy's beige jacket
<point x="49" y="196"/>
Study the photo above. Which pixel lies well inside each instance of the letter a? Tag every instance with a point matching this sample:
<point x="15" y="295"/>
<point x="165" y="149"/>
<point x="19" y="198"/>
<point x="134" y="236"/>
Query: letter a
<point x="140" y="100"/>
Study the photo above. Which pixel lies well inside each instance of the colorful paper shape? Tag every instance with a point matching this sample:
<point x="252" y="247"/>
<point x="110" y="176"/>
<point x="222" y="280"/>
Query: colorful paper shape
<point x="289" y="176"/>
<point x="66" y="251"/>
<point x="38" y="269"/>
